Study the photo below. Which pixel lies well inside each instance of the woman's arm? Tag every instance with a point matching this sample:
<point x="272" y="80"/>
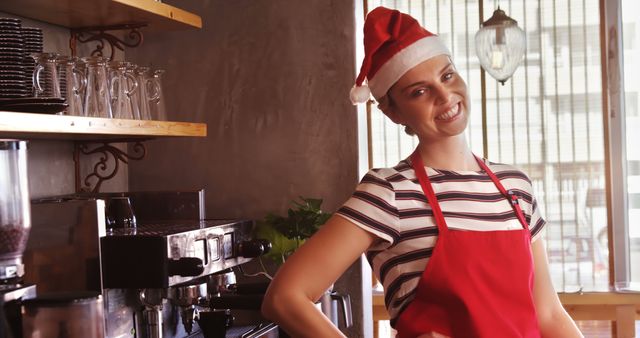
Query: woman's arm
<point x="554" y="321"/>
<point x="289" y="301"/>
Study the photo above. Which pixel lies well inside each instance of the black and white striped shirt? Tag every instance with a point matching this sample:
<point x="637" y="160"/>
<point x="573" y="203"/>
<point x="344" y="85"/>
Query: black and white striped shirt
<point x="389" y="203"/>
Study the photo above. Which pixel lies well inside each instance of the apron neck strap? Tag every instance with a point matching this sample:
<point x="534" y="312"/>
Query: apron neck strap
<point x="508" y="194"/>
<point x="425" y="183"/>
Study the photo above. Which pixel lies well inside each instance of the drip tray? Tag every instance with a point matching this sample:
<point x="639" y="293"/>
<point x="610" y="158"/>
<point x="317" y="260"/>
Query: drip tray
<point x="269" y="330"/>
<point x="264" y="330"/>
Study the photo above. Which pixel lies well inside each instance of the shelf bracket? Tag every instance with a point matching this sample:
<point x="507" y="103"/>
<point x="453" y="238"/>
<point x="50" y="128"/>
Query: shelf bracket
<point x="101" y="171"/>
<point x="101" y="35"/>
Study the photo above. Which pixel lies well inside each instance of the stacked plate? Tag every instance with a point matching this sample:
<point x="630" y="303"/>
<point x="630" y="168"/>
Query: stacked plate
<point x="40" y="105"/>
<point x="12" y="70"/>
<point x="33" y="42"/>
<point x="17" y="43"/>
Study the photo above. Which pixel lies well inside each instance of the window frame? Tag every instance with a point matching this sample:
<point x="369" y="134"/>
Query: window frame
<point x="614" y="118"/>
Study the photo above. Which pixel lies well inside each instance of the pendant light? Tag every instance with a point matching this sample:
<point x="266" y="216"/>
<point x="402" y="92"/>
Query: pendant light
<point x="500" y="45"/>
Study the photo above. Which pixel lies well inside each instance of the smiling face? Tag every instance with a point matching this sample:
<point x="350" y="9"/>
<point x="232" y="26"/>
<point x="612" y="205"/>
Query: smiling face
<point x="431" y="99"/>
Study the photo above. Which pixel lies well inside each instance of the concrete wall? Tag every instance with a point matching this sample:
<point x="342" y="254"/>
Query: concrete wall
<point x="270" y="78"/>
<point x="271" y="81"/>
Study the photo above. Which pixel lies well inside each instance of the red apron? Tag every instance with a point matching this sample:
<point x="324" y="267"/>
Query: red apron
<point x="476" y="283"/>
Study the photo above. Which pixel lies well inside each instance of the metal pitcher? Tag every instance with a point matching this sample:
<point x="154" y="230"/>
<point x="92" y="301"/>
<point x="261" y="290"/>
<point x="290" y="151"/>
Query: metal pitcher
<point x="330" y="302"/>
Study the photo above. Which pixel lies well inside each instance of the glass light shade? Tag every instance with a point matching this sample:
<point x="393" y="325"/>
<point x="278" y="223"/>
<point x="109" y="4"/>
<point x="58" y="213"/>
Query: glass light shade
<point x="500" y="45"/>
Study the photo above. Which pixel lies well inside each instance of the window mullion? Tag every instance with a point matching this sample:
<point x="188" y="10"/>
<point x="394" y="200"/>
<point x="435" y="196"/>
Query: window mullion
<point x="615" y="139"/>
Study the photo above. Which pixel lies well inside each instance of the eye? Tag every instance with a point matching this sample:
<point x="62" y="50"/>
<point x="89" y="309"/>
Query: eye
<point x="418" y="92"/>
<point x="447" y="76"/>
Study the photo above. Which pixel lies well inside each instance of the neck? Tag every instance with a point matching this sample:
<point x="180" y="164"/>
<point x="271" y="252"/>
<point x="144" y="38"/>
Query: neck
<point x="451" y="153"/>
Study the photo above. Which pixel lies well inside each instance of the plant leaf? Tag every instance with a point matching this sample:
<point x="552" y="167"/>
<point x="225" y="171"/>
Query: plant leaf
<point x="281" y="246"/>
<point x="314" y="204"/>
<point x="286" y="234"/>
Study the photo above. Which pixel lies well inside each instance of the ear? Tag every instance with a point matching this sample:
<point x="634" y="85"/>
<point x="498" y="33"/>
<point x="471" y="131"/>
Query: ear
<point x="391" y="112"/>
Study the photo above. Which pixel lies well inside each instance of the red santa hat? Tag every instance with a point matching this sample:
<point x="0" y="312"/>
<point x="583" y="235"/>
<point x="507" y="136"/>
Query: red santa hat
<point x="394" y="43"/>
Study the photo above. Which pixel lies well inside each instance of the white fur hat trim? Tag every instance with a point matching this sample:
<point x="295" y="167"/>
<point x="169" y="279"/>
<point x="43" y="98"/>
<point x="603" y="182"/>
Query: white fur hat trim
<point x="403" y="61"/>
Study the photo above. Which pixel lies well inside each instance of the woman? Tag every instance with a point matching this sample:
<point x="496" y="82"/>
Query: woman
<point x="457" y="248"/>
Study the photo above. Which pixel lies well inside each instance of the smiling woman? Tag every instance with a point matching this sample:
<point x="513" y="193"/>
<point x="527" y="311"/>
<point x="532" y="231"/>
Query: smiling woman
<point x="546" y="120"/>
<point x="453" y="238"/>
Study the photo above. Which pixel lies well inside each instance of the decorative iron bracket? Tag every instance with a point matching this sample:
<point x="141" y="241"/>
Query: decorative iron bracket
<point x="101" y="35"/>
<point x="101" y="170"/>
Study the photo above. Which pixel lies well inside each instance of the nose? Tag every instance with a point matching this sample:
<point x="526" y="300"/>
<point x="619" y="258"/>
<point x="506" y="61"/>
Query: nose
<point x="442" y="93"/>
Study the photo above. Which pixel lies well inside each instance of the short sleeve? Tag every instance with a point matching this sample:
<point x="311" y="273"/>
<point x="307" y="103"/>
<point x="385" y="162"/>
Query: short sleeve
<point x="537" y="223"/>
<point x="372" y="207"/>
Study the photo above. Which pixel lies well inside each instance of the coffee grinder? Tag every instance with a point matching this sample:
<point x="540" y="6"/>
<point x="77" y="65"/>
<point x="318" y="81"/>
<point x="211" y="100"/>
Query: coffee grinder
<point x="15" y="222"/>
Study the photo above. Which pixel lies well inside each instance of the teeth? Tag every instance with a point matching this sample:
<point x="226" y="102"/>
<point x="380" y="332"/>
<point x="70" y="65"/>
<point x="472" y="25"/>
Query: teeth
<point x="449" y="114"/>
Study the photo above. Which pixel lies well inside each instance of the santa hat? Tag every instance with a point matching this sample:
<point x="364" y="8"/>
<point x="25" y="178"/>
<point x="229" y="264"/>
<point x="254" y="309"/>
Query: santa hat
<point x="394" y="43"/>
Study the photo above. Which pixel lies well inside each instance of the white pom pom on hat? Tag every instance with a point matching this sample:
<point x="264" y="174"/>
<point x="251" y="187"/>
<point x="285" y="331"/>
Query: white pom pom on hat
<point x="394" y="43"/>
<point x="360" y="94"/>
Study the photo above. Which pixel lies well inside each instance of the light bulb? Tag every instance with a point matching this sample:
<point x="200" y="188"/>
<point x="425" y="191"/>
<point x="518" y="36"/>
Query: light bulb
<point x="497" y="59"/>
<point x="497" y="56"/>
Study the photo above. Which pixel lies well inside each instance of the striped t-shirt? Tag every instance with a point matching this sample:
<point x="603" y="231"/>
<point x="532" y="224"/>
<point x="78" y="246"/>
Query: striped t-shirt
<point x="390" y="204"/>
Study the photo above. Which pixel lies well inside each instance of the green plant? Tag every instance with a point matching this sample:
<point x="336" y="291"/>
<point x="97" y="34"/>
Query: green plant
<point x="288" y="233"/>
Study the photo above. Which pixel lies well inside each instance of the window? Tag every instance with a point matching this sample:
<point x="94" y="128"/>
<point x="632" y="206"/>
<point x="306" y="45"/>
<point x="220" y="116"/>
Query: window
<point x="547" y="120"/>
<point x="630" y="34"/>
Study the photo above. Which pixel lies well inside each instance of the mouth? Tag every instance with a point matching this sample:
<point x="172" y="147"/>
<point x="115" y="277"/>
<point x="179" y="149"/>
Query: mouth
<point x="453" y="113"/>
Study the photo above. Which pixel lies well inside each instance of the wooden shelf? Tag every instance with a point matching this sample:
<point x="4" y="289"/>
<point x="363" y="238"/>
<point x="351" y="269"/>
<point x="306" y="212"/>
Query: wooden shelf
<point x="60" y="127"/>
<point x="82" y="13"/>
<point x="156" y="15"/>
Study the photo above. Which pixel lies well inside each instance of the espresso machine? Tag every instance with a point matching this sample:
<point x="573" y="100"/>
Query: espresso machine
<point x="170" y="273"/>
<point x="15" y="222"/>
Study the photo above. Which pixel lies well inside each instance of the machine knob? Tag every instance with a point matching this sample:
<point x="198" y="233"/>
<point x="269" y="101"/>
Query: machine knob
<point x="253" y="248"/>
<point x="266" y="245"/>
<point x="186" y="267"/>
